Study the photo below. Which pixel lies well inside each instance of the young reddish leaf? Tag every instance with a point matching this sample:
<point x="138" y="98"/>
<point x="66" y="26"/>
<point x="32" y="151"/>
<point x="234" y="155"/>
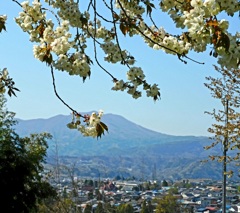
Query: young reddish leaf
<point x="40" y="29"/>
<point x="212" y="23"/>
<point x="2" y="26"/>
<point x="116" y="16"/>
<point x="48" y="58"/>
<point x="124" y="28"/>
<point x="225" y="41"/>
<point x="104" y="126"/>
<point x="100" y="130"/>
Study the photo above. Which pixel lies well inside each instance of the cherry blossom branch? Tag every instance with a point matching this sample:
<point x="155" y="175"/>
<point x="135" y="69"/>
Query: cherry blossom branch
<point x="151" y="40"/>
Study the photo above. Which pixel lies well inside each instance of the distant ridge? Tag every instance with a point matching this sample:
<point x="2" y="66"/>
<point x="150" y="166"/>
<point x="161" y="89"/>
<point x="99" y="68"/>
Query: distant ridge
<point x="129" y="141"/>
<point x="122" y="133"/>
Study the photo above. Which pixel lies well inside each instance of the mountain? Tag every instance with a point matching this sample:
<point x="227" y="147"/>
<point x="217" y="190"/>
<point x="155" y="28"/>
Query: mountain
<point x="124" y="138"/>
<point x="127" y="146"/>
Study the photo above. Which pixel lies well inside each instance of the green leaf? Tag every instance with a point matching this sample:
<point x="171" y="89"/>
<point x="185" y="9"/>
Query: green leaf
<point x="16" y="89"/>
<point x="149" y="7"/>
<point x="72" y="125"/>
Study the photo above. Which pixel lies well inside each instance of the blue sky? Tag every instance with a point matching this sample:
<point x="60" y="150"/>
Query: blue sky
<point x="184" y="99"/>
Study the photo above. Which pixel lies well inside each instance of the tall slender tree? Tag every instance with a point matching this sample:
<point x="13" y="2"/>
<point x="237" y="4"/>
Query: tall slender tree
<point x="226" y="129"/>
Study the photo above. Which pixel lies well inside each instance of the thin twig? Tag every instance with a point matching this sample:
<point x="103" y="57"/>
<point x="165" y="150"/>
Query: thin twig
<point x="56" y="93"/>
<point x="116" y="37"/>
<point x="95" y="48"/>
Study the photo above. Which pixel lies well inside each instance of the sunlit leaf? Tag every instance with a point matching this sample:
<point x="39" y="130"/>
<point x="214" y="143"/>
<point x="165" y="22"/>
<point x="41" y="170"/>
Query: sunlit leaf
<point x="72" y="125"/>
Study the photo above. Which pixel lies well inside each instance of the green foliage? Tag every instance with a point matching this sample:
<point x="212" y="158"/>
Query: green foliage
<point x="90" y="195"/>
<point x="146" y="185"/>
<point x="168" y="204"/>
<point x="6" y="83"/>
<point x="21" y="159"/>
<point x="154" y="186"/>
<point x="88" y="209"/>
<point x="125" y="208"/>
<point x="61" y="205"/>
<point x="144" y="207"/>
<point x="88" y="182"/>
<point x="98" y="195"/>
<point x="109" y="208"/>
<point x="173" y="190"/>
<point x="164" y="183"/>
<point x="99" y="208"/>
<point x="226" y="127"/>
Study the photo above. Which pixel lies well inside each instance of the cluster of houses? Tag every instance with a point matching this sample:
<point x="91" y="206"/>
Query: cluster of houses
<point x="201" y="196"/>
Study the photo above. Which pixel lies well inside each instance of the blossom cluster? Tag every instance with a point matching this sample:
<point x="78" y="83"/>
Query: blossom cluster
<point x="114" y="54"/>
<point x="135" y="78"/>
<point x="3" y="78"/>
<point x="199" y="18"/>
<point x="52" y="41"/>
<point x="92" y="124"/>
<point x="132" y="8"/>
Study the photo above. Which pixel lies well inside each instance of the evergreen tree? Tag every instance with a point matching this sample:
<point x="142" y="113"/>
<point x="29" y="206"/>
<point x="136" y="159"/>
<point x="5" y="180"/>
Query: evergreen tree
<point x="168" y="204"/>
